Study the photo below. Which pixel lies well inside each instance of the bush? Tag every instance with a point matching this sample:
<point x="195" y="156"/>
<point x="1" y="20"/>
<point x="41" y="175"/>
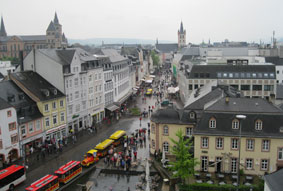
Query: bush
<point x="135" y="111"/>
<point x="215" y="187"/>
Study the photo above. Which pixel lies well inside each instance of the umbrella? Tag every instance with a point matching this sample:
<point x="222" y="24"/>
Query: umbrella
<point x="110" y="151"/>
<point x="144" y="129"/>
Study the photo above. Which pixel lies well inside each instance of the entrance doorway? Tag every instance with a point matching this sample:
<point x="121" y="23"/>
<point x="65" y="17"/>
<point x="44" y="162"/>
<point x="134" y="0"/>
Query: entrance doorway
<point x="218" y="164"/>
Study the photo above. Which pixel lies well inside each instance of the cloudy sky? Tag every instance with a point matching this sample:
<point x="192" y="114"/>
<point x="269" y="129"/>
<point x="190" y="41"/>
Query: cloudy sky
<point x="236" y="20"/>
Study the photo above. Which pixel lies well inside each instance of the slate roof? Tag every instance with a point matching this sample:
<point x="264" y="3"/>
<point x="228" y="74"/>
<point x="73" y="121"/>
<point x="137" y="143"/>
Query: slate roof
<point x="114" y="56"/>
<point x="61" y="56"/>
<point x="33" y="37"/>
<point x="36" y="84"/>
<point x="212" y="70"/>
<point x="51" y="27"/>
<point x="2" y="28"/>
<point x="244" y="105"/>
<point x="130" y="51"/>
<point x="171" y="116"/>
<point x="25" y="106"/>
<point x="4" y="104"/>
<point x="274" y="60"/>
<point x="279" y="91"/>
<point x="190" y="51"/>
<point x="56" y="21"/>
<point x="1" y="76"/>
<point x="254" y="109"/>
<point x="274" y="180"/>
<point x="167" y="48"/>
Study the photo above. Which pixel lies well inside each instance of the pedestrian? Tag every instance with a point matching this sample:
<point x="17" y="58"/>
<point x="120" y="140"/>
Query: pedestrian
<point x="31" y="149"/>
<point x="148" y="125"/>
<point x="140" y="119"/>
<point x="135" y="155"/>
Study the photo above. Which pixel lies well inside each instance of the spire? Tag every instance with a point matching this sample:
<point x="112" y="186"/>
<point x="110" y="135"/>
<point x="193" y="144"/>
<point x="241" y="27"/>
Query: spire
<point x="181" y="27"/>
<point x="56" y="21"/>
<point x="2" y="28"/>
<point x="51" y="27"/>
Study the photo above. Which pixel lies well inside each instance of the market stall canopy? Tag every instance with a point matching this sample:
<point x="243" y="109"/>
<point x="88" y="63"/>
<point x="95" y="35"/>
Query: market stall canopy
<point x="172" y="90"/>
<point x="152" y="76"/>
<point x="149" y="81"/>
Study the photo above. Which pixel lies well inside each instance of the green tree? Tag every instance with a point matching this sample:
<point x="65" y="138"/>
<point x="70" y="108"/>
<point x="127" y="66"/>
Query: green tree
<point x="185" y="163"/>
<point x="155" y="58"/>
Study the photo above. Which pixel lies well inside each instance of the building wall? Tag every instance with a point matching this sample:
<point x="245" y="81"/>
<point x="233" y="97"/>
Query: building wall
<point x="279" y="74"/>
<point x="157" y="135"/>
<point x="196" y="83"/>
<point x="108" y="87"/>
<point x="227" y="153"/>
<point x="45" y="67"/>
<point x="5" y="133"/>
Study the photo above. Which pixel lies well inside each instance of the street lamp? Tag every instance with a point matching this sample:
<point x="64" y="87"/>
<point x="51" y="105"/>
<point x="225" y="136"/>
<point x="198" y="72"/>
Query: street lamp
<point x="240" y="118"/>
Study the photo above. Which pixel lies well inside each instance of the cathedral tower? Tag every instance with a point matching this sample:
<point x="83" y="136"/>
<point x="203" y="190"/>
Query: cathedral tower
<point x="2" y="28"/>
<point x="181" y="36"/>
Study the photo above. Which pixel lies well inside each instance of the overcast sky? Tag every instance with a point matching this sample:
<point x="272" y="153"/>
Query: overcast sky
<point x="236" y="20"/>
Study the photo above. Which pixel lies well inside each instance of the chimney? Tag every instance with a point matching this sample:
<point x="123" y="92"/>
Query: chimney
<point x="227" y="99"/>
<point x="21" y="61"/>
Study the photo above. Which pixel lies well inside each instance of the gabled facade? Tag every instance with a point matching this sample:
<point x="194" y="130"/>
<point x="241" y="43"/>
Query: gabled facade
<point x="50" y="101"/>
<point x="9" y="140"/>
<point x="29" y="118"/>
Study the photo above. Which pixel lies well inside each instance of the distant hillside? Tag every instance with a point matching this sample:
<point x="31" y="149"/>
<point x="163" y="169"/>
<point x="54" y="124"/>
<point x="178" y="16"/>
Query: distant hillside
<point x="98" y="41"/>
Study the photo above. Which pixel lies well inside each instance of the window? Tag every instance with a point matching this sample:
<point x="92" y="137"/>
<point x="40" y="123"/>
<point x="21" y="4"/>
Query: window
<point x="219" y="75"/>
<point x="219" y="143"/>
<point x="30" y="127"/>
<point x="77" y="95"/>
<point x="9" y="113"/>
<point x="190" y="87"/>
<point x="46" y="109"/>
<point x="90" y="90"/>
<point x="234" y="165"/>
<point x="245" y="87"/>
<point x="204" y="163"/>
<point x="70" y="109"/>
<point x="23" y="130"/>
<point x="54" y="105"/>
<point x="70" y="83"/>
<point x="166" y="147"/>
<point x="95" y="77"/>
<point x="235" y="124"/>
<point x="12" y="126"/>
<point x="192" y="115"/>
<point x="280" y="154"/>
<point x="37" y="125"/>
<point x="77" y="107"/>
<point x="249" y="164"/>
<point x="14" y="139"/>
<point x="234" y="144"/>
<point x="61" y="103"/>
<point x="212" y="123"/>
<point x="76" y="82"/>
<point x="152" y="128"/>
<point x="54" y="117"/>
<point x="62" y="117"/>
<point x="230" y="75"/>
<point x="268" y="87"/>
<point x="258" y="125"/>
<point x="196" y="86"/>
<point x="224" y="75"/>
<point x="204" y="142"/>
<point x="257" y="87"/>
<point x="189" y="131"/>
<point x="265" y="145"/>
<point x="99" y="76"/>
<point x="250" y="144"/>
<point x="264" y="164"/>
<point x="165" y="130"/>
<point x="1" y="144"/>
<point x="90" y="78"/>
<point x="47" y="124"/>
<point x="153" y="143"/>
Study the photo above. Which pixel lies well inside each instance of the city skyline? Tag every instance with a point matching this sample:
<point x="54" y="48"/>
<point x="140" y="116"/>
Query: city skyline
<point x="203" y="20"/>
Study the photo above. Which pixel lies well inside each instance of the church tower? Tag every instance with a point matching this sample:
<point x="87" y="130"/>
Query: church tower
<point x="2" y="28"/>
<point x="54" y="35"/>
<point x="181" y="36"/>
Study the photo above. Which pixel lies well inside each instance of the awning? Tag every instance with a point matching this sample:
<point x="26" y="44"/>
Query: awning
<point x="124" y="98"/>
<point x="148" y="81"/>
<point x="112" y="107"/>
<point x="55" y="129"/>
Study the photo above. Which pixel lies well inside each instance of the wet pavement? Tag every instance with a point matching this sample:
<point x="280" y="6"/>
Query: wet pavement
<point x="86" y="142"/>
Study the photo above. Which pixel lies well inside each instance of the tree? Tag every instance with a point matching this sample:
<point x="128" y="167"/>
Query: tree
<point x="185" y="163"/>
<point x="155" y="58"/>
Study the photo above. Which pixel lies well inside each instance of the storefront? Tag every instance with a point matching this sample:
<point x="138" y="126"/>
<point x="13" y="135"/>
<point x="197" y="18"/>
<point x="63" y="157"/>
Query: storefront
<point x="56" y="132"/>
<point x="34" y="141"/>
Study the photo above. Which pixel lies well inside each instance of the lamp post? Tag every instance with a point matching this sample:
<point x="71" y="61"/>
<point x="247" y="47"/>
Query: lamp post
<point x="240" y="118"/>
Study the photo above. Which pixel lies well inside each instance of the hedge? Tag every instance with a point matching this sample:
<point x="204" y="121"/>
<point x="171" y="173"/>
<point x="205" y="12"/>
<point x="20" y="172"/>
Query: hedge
<point x="215" y="187"/>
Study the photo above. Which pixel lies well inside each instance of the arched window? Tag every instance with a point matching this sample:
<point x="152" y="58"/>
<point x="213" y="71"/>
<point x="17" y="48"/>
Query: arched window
<point x="258" y="125"/>
<point x="165" y="130"/>
<point x="212" y="123"/>
<point x="235" y="124"/>
<point x="166" y="147"/>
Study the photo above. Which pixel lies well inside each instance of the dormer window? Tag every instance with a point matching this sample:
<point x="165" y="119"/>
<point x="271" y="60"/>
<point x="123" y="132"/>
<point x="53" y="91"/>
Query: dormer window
<point x="235" y="124"/>
<point x="212" y="123"/>
<point x="258" y="125"/>
<point x="192" y="115"/>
